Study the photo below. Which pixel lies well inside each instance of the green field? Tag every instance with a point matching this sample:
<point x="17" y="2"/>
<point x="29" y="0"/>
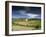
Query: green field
<point x="22" y="24"/>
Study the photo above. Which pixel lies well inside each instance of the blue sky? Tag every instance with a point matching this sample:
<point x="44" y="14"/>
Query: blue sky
<point x="26" y="12"/>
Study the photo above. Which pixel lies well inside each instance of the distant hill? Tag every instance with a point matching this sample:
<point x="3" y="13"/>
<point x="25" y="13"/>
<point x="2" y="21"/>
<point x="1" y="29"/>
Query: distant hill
<point x="23" y="19"/>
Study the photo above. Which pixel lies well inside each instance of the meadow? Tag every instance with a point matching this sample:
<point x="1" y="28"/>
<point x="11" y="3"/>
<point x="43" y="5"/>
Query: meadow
<point x="22" y="24"/>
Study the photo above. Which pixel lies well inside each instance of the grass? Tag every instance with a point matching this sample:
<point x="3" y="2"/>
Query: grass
<point x="17" y="28"/>
<point x="21" y="24"/>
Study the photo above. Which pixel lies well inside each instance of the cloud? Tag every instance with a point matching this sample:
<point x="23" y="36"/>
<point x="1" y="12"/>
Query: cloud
<point x="24" y="14"/>
<point x="32" y="15"/>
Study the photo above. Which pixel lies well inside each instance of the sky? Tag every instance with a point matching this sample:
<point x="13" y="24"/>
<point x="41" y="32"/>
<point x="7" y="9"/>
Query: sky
<point x="26" y="12"/>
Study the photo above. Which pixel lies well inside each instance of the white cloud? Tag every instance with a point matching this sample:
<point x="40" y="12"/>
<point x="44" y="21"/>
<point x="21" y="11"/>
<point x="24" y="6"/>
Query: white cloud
<point x="22" y="11"/>
<point x="23" y="14"/>
<point x="32" y="15"/>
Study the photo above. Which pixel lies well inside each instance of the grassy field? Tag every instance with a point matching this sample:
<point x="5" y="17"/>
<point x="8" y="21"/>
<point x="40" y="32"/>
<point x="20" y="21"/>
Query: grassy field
<point x="22" y="24"/>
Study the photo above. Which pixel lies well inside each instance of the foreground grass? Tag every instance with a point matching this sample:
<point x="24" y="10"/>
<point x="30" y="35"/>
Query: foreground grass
<point x="17" y="28"/>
